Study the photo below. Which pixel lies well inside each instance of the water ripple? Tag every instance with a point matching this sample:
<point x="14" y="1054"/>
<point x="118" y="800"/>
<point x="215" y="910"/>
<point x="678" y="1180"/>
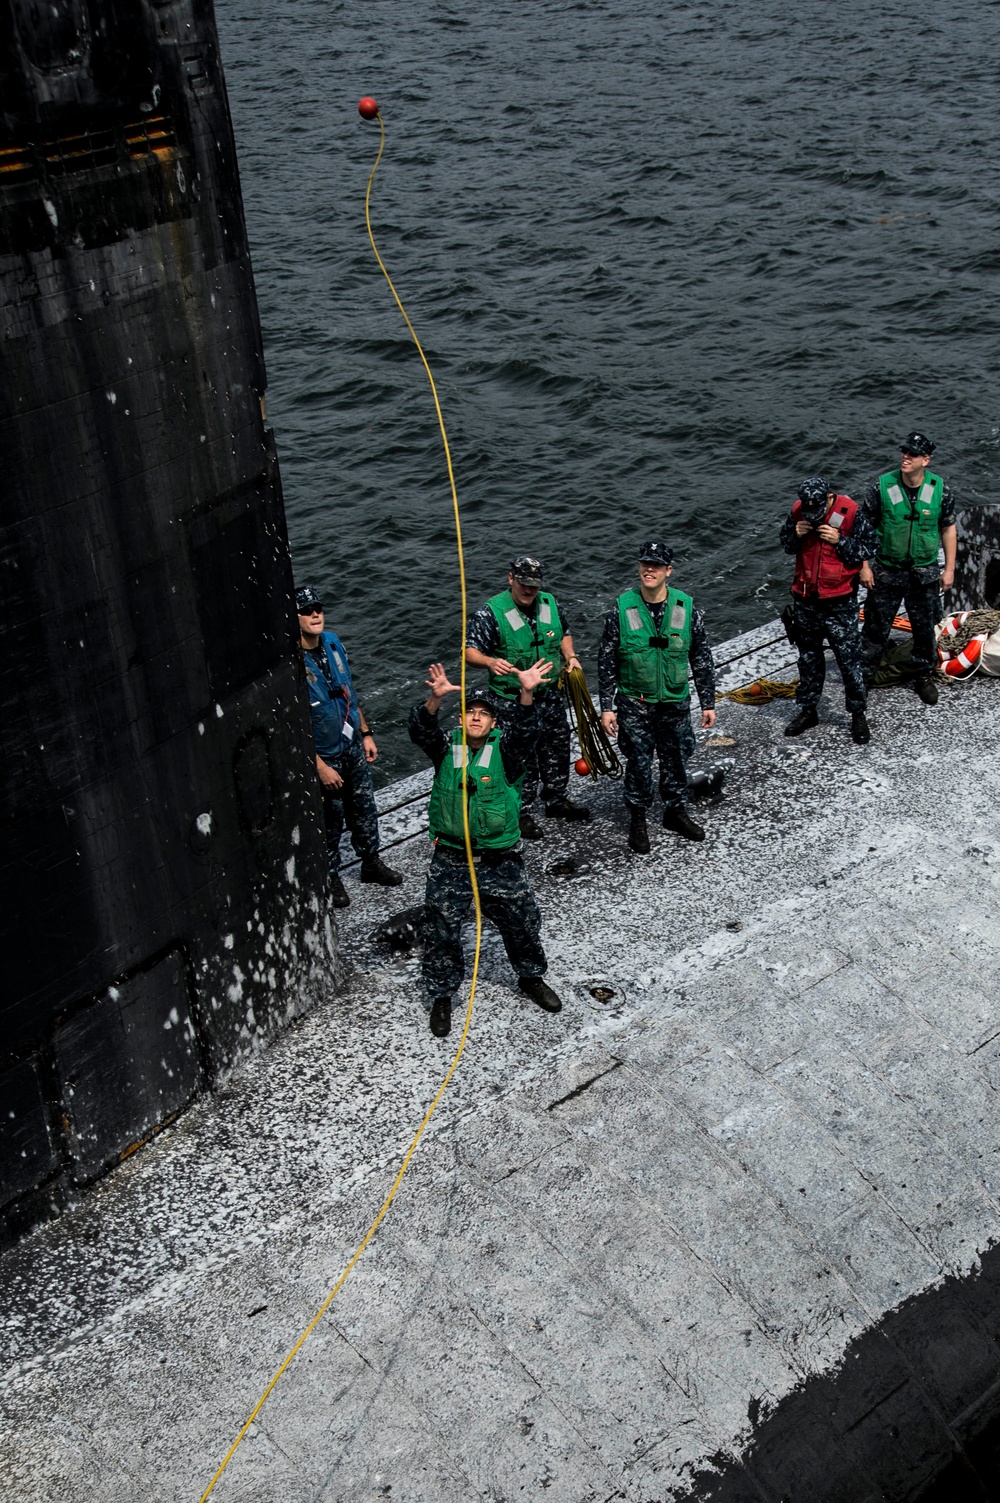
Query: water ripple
<point x="664" y="262"/>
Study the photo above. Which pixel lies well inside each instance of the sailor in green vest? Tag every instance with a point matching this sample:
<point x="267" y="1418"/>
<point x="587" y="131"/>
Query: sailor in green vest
<point x="652" y="636"/>
<point x="913" y="512"/>
<point x="522" y="625"/>
<point x="487" y="774"/>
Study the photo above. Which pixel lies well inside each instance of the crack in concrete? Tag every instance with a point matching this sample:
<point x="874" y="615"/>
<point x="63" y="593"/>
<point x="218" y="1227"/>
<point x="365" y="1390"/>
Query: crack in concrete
<point x="579" y="1090"/>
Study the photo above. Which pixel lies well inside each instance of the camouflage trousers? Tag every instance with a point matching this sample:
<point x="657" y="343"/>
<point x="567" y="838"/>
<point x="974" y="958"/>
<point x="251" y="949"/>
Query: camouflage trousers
<point x="836" y="622"/>
<point x="549" y="762"/>
<point x="353" y="804"/>
<point x="923" y="606"/>
<point x="660" y="730"/>
<point x="507" y="901"/>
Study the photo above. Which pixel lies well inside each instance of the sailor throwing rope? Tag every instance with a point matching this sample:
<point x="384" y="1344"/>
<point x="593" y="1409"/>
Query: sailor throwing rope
<point x="486" y="775"/>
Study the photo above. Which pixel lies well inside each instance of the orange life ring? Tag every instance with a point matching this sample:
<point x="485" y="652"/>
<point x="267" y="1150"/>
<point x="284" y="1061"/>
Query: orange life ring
<point x="959" y="664"/>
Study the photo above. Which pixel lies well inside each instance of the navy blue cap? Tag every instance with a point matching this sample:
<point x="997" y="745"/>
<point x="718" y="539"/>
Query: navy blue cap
<point x="307" y="599"/>
<point x="814" y="488"/>
<point x="481" y="696"/>
<point x="917" y="443"/>
<point x="655" y="552"/>
<point x="527" y="570"/>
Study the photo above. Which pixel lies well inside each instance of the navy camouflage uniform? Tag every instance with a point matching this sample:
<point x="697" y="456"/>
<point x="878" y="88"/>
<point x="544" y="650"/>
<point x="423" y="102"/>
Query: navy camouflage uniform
<point x="548" y="762"/>
<point x="661" y="730"/>
<point x="918" y="588"/>
<point x="505" y="894"/>
<point x="353" y="803"/>
<point x="835" y="620"/>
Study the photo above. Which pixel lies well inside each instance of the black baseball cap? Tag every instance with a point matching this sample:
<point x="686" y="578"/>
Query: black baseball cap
<point x="527" y="570"/>
<point x="481" y="696"/>
<point x="917" y="445"/>
<point x="655" y="552"/>
<point x="307" y="599"/>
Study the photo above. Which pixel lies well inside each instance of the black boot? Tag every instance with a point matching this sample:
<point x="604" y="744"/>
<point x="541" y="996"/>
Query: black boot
<point x="538" y="990"/>
<point x="530" y="828"/>
<point x="859" y="728"/>
<point x="564" y="808"/>
<point x="339" y="897"/>
<point x="441" y="1017"/>
<point x="677" y="818"/>
<point x="926" y="688"/>
<point x="638" y="835"/>
<point x="803" y="721"/>
<point x="375" y="870"/>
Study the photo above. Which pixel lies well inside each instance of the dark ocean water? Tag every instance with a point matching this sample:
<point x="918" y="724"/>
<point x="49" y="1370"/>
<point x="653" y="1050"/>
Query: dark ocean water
<point x="664" y="261"/>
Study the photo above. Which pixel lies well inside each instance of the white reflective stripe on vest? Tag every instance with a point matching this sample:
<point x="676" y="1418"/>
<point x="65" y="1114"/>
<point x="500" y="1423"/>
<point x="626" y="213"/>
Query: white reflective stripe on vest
<point x="633" y="617"/>
<point x="895" y="495"/>
<point x="926" y="495"/>
<point x="678" y="616"/>
<point x="545" y="613"/>
<point x="338" y="660"/>
<point x="458" y="755"/>
<point x="515" y="618"/>
<point x="486" y="755"/>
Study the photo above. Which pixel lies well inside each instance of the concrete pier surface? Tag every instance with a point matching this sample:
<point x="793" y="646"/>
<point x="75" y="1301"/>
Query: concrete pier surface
<point x="758" y="1151"/>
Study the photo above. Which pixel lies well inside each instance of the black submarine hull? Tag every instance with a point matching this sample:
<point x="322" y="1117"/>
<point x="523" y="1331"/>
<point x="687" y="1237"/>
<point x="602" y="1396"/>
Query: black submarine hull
<point x="162" y="855"/>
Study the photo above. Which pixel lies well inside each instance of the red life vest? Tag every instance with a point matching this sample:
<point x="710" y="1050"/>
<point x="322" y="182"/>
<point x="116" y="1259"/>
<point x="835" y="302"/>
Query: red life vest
<point x="818" y="570"/>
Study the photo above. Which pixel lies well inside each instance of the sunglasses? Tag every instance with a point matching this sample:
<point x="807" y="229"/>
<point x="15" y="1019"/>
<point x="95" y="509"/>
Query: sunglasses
<point x="914" y="453"/>
<point x="312" y="610"/>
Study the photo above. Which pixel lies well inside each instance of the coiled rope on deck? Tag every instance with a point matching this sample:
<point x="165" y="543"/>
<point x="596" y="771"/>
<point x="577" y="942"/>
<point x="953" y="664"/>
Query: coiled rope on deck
<point x="761" y="691"/>
<point x="975" y="623"/>
<point x="387" y="1202"/>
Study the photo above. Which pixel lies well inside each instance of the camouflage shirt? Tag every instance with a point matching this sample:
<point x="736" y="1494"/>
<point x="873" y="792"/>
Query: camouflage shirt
<point x="860" y="543"/>
<point x="484" y="633"/>
<point x="873" y="504"/>
<point x="516" y="739"/>
<point x="926" y="573"/>
<point x="699" y="657"/>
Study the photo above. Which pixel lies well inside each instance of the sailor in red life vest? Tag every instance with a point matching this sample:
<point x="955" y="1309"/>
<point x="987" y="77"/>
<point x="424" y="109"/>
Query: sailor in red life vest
<point x="830" y="537"/>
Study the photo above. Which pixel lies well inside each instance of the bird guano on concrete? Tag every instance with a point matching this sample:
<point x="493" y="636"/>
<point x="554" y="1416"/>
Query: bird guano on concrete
<point x="750" y="1152"/>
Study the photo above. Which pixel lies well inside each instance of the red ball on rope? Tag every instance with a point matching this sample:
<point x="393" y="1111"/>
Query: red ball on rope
<point x="368" y="107"/>
<point x="583" y="767"/>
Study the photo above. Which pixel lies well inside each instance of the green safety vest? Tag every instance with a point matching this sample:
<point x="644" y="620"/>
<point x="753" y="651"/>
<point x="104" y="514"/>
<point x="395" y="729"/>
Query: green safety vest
<point x="650" y="667"/>
<point x="494" y="804"/>
<point x="523" y="642"/>
<point x="909" y="534"/>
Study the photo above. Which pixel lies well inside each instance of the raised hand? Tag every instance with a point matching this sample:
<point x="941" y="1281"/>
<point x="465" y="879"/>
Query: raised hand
<point x="538" y="673"/>
<point x="438" y="682"/>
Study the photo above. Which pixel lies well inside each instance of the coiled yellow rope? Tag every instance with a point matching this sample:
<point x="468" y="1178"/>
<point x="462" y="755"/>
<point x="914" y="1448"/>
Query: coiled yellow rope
<point x="762" y="691"/>
<point x="387" y="1202"/>
<point x="596" y="746"/>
